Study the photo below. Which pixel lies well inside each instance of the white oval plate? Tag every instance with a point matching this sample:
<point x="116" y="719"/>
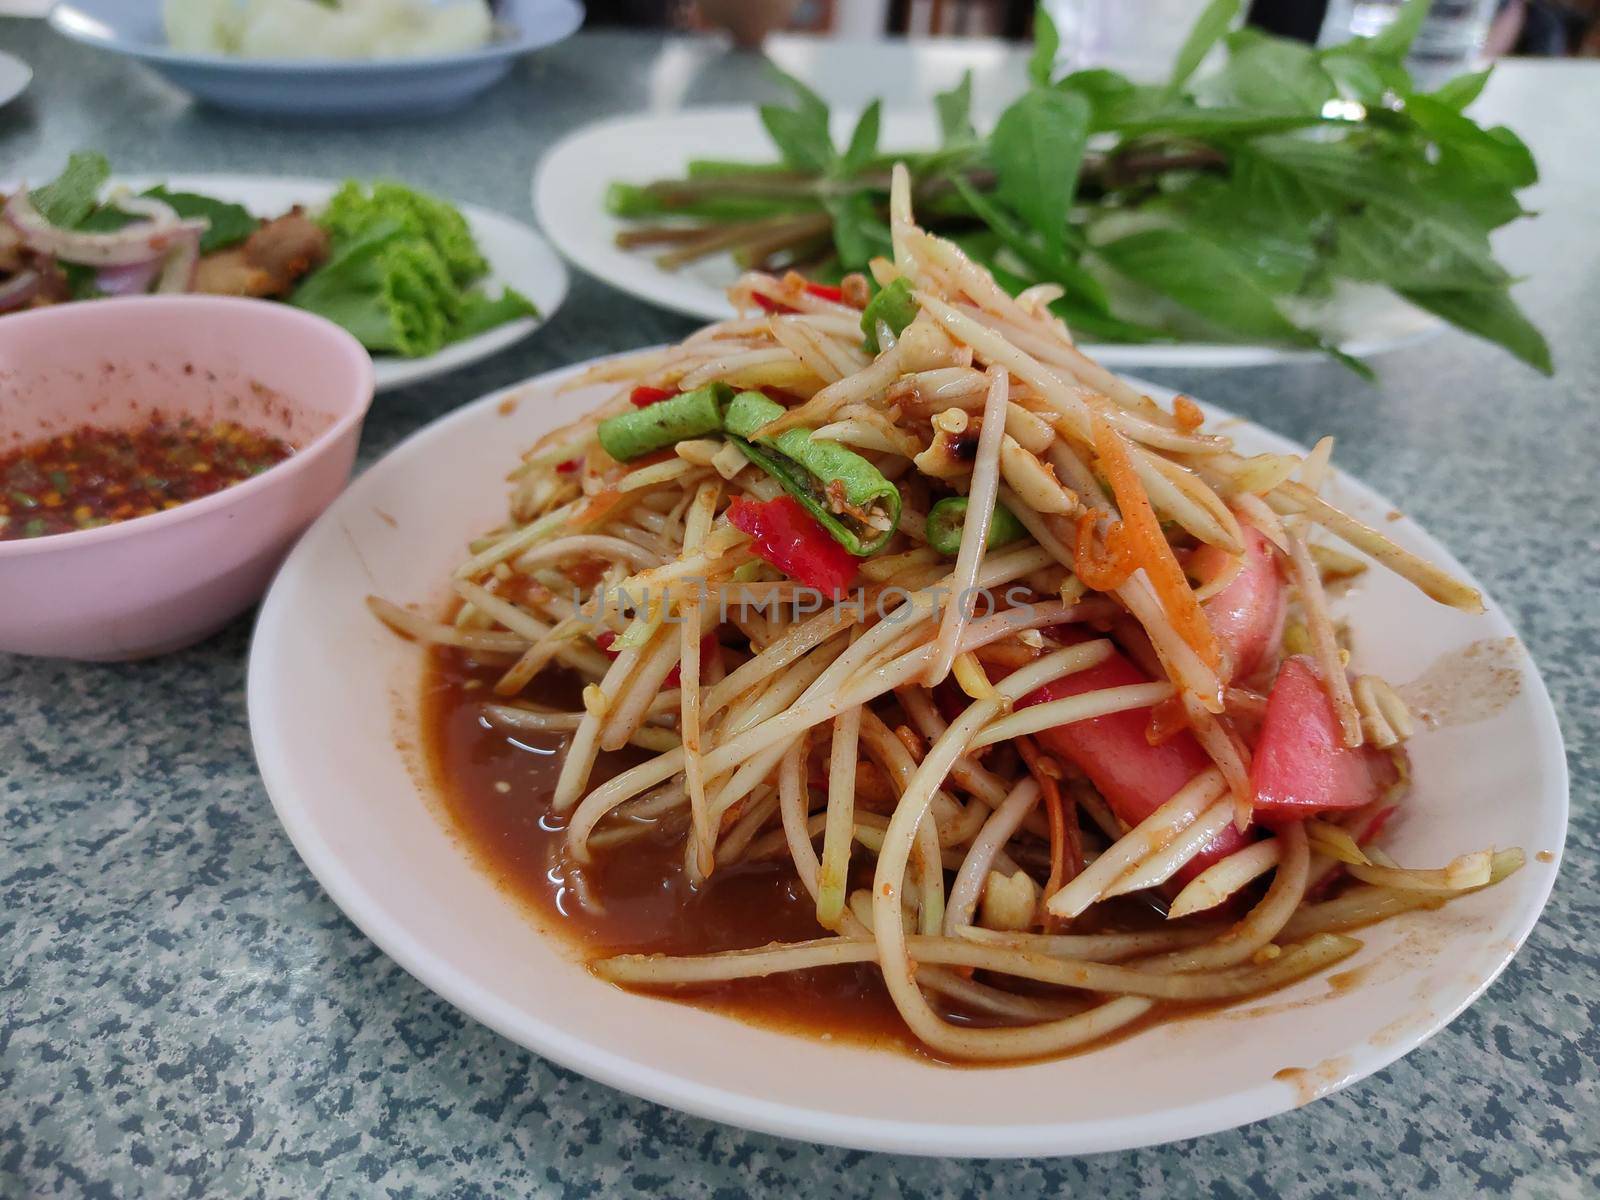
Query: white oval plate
<point x="518" y="257"/>
<point x="332" y="692"/>
<point x="14" y="77"/>
<point x="569" y="189"/>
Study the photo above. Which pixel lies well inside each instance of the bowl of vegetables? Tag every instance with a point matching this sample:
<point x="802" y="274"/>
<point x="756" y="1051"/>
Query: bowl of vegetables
<point x="158" y="457"/>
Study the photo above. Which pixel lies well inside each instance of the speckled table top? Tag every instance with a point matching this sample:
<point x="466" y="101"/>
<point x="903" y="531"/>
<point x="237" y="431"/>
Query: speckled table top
<point x="183" y="1012"/>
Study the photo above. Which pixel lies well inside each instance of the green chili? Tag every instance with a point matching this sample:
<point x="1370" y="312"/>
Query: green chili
<point x="894" y="306"/>
<point x="946" y="518"/>
<point x="843" y="491"/>
<point x="665" y="423"/>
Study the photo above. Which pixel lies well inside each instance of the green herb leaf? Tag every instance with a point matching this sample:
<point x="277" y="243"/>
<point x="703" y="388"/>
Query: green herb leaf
<point x="1202" y="277"/>
<point x="1493" y="315"/>
<point x="863" y="142"/>
<point x="859" y="233"/>
<point x="230" y="223"/>
<point x="1266" y="72"/>
<point x="1037" y="147"/>
<point x="1495" y="154"/>
<point x="1206" y="33"/>
<point x="955" y="113"/>
<point x="1083" y="287"/>
<point x="72" y="195"/>
<point x="1111" y="95"/>
<point x="1046" y="43"/>
<point x="801" y="133"/>
<point x="1461" y="91"/>
<point x="1394" y="40"/>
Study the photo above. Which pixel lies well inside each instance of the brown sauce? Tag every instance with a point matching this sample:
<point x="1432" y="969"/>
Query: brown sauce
<point x="496" y="788"/>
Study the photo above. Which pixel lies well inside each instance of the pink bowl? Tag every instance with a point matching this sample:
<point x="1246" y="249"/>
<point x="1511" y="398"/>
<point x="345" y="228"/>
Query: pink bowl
<point x="160" y="582"/>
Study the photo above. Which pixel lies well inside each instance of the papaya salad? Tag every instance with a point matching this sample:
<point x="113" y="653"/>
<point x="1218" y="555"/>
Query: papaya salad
<point x="1025" y="689"/>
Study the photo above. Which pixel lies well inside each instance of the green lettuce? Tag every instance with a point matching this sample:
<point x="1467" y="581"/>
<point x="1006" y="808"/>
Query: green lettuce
<point x="354" y="210"/>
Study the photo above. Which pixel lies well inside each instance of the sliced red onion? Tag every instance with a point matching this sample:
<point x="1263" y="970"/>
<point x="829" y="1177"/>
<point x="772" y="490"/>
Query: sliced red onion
<point x="19" y="289"/>
<point x="159" y="212"/>
<point x="135" y="244"/>
<point x="131" y="280"/>
<point x="177" y="275"/>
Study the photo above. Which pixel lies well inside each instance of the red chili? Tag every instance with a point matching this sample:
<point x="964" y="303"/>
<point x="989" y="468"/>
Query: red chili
<point x="568" y="467"/>
<point x="788" y="538"/>
<point x="644" y="397"/>
<point x="820" y="290"/>
<point x="603" y="639"/>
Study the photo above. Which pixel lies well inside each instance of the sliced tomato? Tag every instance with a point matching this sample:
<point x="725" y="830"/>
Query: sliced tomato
<point x="1135" y="777"/>
<point x="1301" y="766"/>
<point x="1247" y="615"/>
<point x="789" y="538"/>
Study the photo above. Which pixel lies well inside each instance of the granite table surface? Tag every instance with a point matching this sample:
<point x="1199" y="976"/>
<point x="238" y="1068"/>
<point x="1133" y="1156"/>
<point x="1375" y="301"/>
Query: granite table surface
<point x="183" y="1012"/>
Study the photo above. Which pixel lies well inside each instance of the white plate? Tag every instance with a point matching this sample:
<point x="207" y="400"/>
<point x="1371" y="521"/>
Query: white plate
<point x="371" y="834"/>
<point x="569" y="188"/>
<point x="518" y="257"/>
<point x="14" y="77"/>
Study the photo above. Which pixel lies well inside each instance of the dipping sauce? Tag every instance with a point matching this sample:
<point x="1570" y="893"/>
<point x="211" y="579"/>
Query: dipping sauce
<point x="92" y="476"/>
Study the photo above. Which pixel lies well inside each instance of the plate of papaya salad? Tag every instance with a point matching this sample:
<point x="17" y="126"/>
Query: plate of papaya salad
<point x="872" y="721"/>
<point x="426" y="285"/>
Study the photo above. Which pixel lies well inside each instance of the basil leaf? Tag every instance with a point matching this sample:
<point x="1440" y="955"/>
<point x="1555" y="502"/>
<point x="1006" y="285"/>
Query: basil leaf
<point x="859" y="233"/>
<point x="1390" y="228"/>
<point x="1202" y="277"/>
<point x="1264" y="72"/>
<point x="1110" y="94"/>
<point x="1496" y="154"/>
<point x="1206" y="33"/>
<point x="863" y="146"/>
<point x="955" y="113"/>
<point x="1214" y="122"/>
<point x="1037" y="147"/>
<point x="1492" y="315"/>
<point x="1046" y="43"/>
<point x="1461" y="91"/>
<point x="1395" y="39"/>
<point x="1055" y="267"/>
<point x="801" y="133"/>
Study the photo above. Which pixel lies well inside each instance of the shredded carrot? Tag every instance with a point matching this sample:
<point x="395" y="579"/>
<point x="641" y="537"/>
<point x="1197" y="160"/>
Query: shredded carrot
<point x="1148" y="546"/>
<point x="596" y="507"/>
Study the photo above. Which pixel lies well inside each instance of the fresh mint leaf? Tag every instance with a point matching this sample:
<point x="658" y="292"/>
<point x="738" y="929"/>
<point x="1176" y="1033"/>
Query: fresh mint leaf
<point x="1492" y="315"/>
<point x="863" y="146"/>
<point x="230" y="223"/>
<point x="73" y="195"/>
<point x="1046" y="44"/>
<point x="1037" y="147"/>
<point x="1206" y="33"/>
<point x="955" y="113"/>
